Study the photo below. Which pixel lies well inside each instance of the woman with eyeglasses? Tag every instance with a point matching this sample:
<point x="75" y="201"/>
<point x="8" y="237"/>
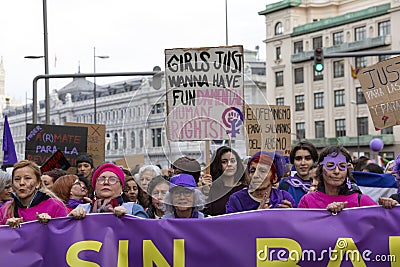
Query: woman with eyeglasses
<point x="158" y="188"/>
<point x="264" y="169"/>
<point x="183" y="199"/>
<point x="5" y="187"/>
<point x="107" y="183"/>
<point x="72" y="190"/>
<point x="335" y="190"/>
<point x="302" y="156"/>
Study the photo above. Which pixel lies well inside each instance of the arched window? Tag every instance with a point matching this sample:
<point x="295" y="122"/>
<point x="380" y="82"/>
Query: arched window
<point x="278" y="28"/>
<point x="108" y="140"/>
<point x="133" y="139"/>
<point x="141" y="138"/>
<point x="124" y="140"/>
<point x="116" y="141"/>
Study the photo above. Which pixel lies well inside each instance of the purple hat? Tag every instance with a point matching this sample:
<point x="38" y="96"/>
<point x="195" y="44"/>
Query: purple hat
<point x="184" y="180"/>
<point x="108" y="167"/>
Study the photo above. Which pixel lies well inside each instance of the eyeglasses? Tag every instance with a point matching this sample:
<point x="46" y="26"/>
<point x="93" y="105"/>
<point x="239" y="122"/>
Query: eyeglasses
<point x="185" y="192"/>
<point x="111" y="180"/>
<point x="81" y="186"/>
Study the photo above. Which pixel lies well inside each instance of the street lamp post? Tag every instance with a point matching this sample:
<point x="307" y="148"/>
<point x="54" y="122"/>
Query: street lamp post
<point x="94" y="83"/>
<point x="46" y="61"/>
<point x="358" y="131"/>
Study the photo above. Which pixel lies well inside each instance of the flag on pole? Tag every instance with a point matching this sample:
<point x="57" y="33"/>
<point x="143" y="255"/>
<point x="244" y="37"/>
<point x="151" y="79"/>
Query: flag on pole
<point x="354" y="72"/>
<point x="9" y="157"/>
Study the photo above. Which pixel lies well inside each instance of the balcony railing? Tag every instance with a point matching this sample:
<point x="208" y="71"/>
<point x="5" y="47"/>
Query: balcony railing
<point x="350" y="141"/>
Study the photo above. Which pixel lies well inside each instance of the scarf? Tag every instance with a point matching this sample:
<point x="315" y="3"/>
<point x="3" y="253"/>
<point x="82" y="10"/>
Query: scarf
<point x="297" y="182"/>
<point x="37" y="199"/>
<point x="114" y="203"/>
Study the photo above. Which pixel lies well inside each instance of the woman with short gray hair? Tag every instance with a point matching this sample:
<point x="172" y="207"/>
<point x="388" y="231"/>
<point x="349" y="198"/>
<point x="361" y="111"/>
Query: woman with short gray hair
<point x="5" y="187"/>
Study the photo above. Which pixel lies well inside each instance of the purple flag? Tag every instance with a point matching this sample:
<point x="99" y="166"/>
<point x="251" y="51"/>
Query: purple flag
<point x="10" y="157"/>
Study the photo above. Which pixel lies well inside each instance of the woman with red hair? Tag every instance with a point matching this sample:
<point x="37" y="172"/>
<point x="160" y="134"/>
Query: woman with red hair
<point x="264" y="170"/>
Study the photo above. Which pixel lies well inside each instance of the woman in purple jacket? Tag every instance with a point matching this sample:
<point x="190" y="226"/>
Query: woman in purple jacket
<point x="264" y="169"/>
<point x="30" y="201"/>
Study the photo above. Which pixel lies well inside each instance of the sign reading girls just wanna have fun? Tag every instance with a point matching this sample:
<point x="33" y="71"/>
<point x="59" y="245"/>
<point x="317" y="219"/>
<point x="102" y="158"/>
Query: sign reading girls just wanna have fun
<point x="204" y="93"/>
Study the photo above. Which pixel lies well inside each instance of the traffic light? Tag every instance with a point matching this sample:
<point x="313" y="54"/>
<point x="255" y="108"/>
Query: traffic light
<point x="319" y="59"/>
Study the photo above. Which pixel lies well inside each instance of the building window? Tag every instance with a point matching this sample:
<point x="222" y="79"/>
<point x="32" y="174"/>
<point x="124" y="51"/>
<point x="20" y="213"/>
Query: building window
<point x="298" y="47"/>
<point x="319" y="100"/>
<point x="299" y="101"/>
<point x="124" y="140"/>
<point x="317" y="42"/>
<point x="141" y="138"/>
<point x="318" y="76"/>
<point x="157" y="108"/>
<point x="340" y="126"/>
<point x="298" y="75"/>
<point x="360" y="33"/>
<point x="319" y="129"/>
<point x="109" y="142"/>
<point x="384" y="57"/>
<point x="279" y="78"/>
<point x="116" y="141"/>
<point x="279" y="28"/>
<point x="362" y="126"/>
<point x="278" y="53"/>
<point x="156" y="137"/>
<point x="338" y="68"/>
<point x="339" y="98"/>
<point x="384" y="28"/>
<point x="338" y="38"/>
<point x="300" y="130"/>
<point x="361" y="62"/>
<point x="280" y="101"/>
<point x="133" y="139"/>
<point x="388" y="130"/>
<point x="360" y="96"/>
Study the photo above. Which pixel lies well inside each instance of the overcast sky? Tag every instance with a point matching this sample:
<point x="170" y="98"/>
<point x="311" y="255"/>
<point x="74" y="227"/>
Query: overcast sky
<point x="132" y="33"/>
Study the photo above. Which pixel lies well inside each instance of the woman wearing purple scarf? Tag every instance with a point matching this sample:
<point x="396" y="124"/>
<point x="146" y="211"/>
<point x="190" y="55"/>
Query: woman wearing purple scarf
<point x="264" y="169"/>
<point x="72" y="190"/>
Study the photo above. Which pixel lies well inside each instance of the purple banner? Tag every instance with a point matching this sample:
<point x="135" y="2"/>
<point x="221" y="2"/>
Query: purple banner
<point x="355" y="237"/>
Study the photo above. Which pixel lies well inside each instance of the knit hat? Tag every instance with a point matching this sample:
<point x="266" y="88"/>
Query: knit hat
<point x="84" y="158"/>
<point x="184" y="180"/>
<point x="108" y="167"/>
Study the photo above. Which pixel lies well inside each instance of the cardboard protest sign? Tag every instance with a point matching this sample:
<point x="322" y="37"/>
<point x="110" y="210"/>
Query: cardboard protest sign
<point x="204" y="93"/>
<point x="381" y="88"/>
<point x="43" y="140"/>
<point x="268" y="129"/>
<point x="95" y="141"/>
<point x="57" y="161"/>
<point x="131" y="162"/>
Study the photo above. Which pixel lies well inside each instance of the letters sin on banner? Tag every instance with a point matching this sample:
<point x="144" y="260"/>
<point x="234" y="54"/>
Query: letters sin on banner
<point x="268" y="129"/>
<point x="381" y="88"/>
<point x="43" y="140"/>
<point x="204" y="93"/>
<point x="278" y="237"/>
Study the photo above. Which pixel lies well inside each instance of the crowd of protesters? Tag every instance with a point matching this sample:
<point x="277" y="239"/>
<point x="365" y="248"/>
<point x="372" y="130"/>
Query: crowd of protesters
<point x="186" y="190"/>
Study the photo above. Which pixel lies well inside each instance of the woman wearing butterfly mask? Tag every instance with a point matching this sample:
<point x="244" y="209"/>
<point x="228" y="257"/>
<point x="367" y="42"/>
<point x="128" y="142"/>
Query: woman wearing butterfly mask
<point x="335" y="191"/>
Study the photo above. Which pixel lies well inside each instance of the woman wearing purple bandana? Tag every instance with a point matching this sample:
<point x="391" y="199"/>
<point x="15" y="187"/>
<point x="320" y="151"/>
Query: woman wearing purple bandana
<point x="264" y="169"/>
<point x="335" y="191"/>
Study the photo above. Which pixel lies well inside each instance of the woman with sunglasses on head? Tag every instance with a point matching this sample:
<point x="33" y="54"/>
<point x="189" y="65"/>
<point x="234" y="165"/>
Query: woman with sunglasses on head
<point x="335" y="191"/>
<point x="264" y="169"/>
<point x="107" y="182"/>
<point x="72" y="190"/>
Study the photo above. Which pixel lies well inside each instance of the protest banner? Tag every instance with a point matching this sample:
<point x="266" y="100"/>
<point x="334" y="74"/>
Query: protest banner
<point x="43" y="140"/>
<point x="381" y="87"/>
<point x="268" y="129"/>
<point x="95" y="141"/>
<point x="368" y="236"/>
<point x="204" y="88"/>
<point x="56" y="161"/>
<point x="131" y="162"/>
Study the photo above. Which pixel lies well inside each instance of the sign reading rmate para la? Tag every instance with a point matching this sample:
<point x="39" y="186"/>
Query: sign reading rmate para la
<point x="204" y="93"/>
<point x="381" y="88"/>
<point x="43" y="140"/>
